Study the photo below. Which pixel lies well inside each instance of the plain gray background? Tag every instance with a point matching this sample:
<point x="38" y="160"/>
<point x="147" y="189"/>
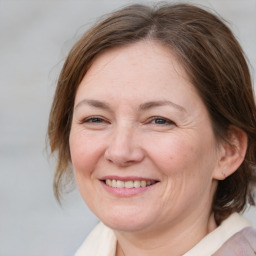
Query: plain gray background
<point x="35" y="37"/>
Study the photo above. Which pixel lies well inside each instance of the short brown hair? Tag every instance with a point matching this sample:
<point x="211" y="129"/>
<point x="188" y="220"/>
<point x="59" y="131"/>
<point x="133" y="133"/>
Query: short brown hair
<point x="211" y="56"/>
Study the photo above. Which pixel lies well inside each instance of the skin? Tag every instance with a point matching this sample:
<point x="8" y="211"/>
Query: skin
<point x="117" y="131"/>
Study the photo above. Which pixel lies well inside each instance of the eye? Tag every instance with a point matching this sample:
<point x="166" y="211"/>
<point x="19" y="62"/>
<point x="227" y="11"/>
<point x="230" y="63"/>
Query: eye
<point x="93" y="119"/>
<point x="94" y="122"/>
<point x="157" y="120"/>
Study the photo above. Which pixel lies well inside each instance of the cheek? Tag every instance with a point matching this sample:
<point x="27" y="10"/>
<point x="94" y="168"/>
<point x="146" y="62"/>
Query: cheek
<point x="184" y="157"/>
<point x="85" y="152"/>
<point x="173" y="155"/>
<point x="186" y="166"/>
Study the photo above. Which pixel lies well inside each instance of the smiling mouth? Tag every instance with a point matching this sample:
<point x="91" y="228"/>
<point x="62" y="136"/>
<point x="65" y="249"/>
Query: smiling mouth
<point x="129" y="183"/>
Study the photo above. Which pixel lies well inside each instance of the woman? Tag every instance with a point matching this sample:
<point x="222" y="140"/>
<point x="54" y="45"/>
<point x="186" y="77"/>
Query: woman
<point x="154" y="112"/>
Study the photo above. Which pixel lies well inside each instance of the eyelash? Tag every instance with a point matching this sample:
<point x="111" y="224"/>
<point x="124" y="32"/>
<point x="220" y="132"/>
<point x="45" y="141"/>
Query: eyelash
<point x="93" y="119"/>
<point x="164" y="121"/>
<point x="153" y="120"/>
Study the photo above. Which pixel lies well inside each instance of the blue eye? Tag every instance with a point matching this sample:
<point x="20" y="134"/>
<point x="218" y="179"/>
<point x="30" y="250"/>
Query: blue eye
<point x="161" y="121"/>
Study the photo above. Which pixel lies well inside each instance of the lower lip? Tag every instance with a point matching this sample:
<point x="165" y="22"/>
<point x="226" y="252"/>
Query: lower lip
<point x="126" y="192"/>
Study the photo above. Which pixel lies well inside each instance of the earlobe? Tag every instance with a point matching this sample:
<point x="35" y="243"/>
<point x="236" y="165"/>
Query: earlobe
<point x="231" y="153"/>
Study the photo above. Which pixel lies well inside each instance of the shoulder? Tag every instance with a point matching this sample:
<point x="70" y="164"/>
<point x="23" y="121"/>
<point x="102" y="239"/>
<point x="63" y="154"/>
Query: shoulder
<point x="242" y="243"/>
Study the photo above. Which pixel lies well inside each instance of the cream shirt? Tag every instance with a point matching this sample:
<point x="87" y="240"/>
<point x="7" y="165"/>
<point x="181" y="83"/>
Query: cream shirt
<point x="102" y="241"/>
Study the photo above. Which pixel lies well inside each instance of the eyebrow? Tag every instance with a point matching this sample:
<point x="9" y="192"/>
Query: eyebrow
<point x="143" y="106"/>
<point x="93" y="103"/>
<point x="153" y="104"/>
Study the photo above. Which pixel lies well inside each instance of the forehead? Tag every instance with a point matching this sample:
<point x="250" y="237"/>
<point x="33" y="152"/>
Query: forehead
<point x="143" y="54"/>
<point x="143" y="70"/>
<point x="149" y="58"/>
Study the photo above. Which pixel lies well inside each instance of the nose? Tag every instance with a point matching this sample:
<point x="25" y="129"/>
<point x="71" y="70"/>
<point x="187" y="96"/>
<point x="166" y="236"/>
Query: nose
<point x="124" y="148"/>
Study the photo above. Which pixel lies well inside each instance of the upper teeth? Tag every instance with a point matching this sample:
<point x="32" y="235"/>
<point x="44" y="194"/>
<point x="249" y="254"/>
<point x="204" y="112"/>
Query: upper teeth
<point x="128" y="184"/>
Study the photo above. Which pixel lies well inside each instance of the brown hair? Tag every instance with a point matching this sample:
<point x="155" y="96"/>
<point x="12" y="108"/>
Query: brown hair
<point x="214" y="61"/>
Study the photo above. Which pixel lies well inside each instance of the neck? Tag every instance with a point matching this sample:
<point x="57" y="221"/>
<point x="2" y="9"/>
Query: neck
<point x="165" y="241"/>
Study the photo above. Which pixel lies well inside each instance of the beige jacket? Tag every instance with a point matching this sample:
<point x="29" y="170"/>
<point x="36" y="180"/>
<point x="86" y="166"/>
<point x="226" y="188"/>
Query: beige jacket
<point x="102" y="241"/>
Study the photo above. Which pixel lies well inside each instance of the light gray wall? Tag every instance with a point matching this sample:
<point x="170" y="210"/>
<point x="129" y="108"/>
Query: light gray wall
<point x="35" y="36"/>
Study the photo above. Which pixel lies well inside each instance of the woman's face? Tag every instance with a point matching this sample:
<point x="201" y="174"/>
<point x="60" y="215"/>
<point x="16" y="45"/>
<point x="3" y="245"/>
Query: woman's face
<point x="141" y="141"/>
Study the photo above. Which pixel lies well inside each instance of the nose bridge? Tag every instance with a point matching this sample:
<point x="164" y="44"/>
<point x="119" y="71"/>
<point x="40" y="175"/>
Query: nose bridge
<point x="122" y="136"/>
<point x="123" y="146"/>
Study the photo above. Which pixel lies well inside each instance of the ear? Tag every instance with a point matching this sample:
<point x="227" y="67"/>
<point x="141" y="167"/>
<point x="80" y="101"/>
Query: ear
<point x="232" y="152"/>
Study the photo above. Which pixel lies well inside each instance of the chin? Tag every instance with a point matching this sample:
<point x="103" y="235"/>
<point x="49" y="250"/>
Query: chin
<point x="125" y="221"/>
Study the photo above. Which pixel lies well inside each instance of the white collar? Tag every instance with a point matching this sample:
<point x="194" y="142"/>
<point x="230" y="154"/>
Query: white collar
<point x="214" y="240"/>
